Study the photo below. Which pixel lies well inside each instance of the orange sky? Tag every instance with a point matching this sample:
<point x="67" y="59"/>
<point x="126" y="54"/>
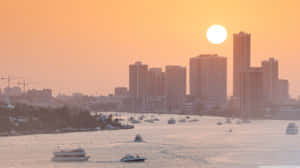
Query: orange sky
<point x="86" y="46"/>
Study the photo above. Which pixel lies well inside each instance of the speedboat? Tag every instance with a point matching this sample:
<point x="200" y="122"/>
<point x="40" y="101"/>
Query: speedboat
<point x="292" y="129"/>
<point x="171" y="121"/>
<point x="132" y="158"/>
<point x="70" y="155"/>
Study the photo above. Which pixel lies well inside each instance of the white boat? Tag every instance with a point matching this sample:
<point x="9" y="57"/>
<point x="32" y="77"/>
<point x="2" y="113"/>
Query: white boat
<point x="171" y="121"/>
<point x="292" y="129"/>
<point x="132" y="158"/>
<point x="70" y="155"/>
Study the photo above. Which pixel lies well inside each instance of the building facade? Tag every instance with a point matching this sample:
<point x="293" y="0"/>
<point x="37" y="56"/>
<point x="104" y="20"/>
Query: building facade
<point x="175" y="87"/>
<point x="241" y="59"/>
<point x="270" y="79"/>
<point x="208" y="78"/>
<point x="251" y="95"/>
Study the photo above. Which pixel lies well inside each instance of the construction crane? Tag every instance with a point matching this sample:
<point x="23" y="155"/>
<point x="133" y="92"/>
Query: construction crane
<point x="24" y="84"/>
<point x="8" y="80"/>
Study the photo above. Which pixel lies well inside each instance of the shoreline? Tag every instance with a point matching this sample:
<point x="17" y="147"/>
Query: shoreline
<point x="24" y="133"/>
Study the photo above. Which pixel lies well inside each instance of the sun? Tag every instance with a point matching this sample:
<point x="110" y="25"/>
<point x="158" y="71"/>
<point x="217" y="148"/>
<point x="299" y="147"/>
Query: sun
<point x="216" y="34"/>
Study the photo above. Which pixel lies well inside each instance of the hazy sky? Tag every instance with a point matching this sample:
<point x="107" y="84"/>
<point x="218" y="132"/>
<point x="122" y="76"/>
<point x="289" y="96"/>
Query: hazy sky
<point x="86" y="46"/>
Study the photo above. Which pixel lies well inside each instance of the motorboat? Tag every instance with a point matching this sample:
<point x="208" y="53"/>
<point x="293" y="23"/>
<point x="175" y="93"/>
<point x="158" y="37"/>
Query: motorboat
<point x="138" y="138"/>
<point x="132" y="158"/>
<point x="292" y="129"/>
<point x="70" y="155"/>
<point x="171" y="121"/>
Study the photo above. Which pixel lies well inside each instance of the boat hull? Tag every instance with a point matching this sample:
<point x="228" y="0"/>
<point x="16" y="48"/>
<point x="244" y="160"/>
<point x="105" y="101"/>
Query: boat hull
<point x="70" y="159"/>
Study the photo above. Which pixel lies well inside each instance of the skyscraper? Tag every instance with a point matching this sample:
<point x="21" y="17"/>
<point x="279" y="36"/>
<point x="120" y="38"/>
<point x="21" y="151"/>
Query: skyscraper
<point x="138" y="87"/>
<point x="270" y="79"/>
<point x="156" y="82"/>
<point x="138" y="74"/>
<point x="241" y="59"/>
<point x="175" y="87"/>
<point x="251" y="95"/>
<point x="208" y="75"/>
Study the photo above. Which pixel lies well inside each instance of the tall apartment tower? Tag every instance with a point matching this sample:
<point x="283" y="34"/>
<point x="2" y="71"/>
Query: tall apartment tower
<point x="208" y="78"/>
<point x="270" y="79"/>
<point x="175" y="87"/>
<point x="241" y="59"/>
<point x="156" y="82"/>
<point x="251" y="95"/>
<point x="138" y="79"/>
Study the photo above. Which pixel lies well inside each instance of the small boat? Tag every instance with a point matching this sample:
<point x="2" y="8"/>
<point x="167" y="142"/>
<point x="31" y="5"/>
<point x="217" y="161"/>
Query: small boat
<point x="138" y="138"/>
<point x="292" y="129"/>
<point x="171" y="121"/>
<point x="132" y="158"/>
<point x="70" y="155"/>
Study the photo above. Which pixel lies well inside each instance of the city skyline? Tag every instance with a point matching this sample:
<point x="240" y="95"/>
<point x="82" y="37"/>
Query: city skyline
<point x="78" y="53"/>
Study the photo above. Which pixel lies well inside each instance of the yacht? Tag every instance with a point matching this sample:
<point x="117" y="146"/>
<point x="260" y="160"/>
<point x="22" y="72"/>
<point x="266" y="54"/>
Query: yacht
<point x="171" y="121"/>
<point x="70" y="155"/>
<point x="132" y="158"/>
<point x="292" y="129"/>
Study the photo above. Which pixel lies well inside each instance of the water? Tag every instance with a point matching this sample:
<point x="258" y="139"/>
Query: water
<point x="184" y="145"/>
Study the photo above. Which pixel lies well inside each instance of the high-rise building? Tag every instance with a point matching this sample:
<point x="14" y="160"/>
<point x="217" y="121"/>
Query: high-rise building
<point x="282" y="91"/>
<point x="270" y="79"/>
<point x="175" y="78"/>
<point x="138" y="86"/>
<point x="138" y="74"/>
<point x="208" y="75"/>
<point x="251" y="95"/>
<point x="156" y="82"/>
<point x="241" y="59"/>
